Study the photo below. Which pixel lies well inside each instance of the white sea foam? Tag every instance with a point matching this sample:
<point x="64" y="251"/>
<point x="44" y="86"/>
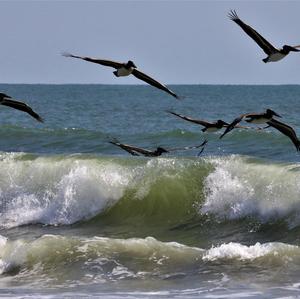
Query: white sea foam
<point x="58" y="191"/>
<point x="238" y="251"/>
<point x="237" y="188"/>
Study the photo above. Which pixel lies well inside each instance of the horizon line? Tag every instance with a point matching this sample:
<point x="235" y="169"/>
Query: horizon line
<point x="174" y="84"/>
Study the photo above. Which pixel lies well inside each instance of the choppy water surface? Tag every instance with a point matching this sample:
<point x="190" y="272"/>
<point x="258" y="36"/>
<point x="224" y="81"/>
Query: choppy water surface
<point x="80" y="217"/>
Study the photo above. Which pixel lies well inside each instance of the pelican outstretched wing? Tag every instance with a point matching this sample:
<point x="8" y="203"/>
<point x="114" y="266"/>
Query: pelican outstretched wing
<point x="8" y="101"/>
<point x="233" y="124"/>
<point x="196" y="121"/>
<point x="261" y="41"/>
<point x="104" y="62"/>
<point x="125" y="147"/>
<point x="286" y="130"/>
<point x="142" y="76"/>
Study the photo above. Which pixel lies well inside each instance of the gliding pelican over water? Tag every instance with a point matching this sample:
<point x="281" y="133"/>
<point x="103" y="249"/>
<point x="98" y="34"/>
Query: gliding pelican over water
<point x="125" y="69"/>
<point x="135" y="151"/>
<point x="254" y="118"/>
<point x="208" y="126"/>
<point x="266" y="117"/>
<point x="273" y="53"/>
<point x="8" y="101"/>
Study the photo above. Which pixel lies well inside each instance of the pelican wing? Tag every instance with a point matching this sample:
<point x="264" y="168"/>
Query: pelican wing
<point x="104" y="62"/>
<point x="140" y="150"/>
<point x="262" y="42"/>
<point x="4" y="95"/>
<point x="196" y="121"/>
<point x="151" y="81"/>
<point x="286" y="130"/>
<point x="233" y="124"/>
<point x="20" y="106"/>
<point x="125" y="147"/>
<point x="201" y="151"/>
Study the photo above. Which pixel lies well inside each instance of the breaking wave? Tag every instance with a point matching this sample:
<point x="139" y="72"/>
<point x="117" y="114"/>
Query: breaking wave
<point x="65" y="189"/>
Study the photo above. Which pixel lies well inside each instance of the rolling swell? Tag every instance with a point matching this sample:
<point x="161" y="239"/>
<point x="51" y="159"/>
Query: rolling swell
<point x="58" y="260"/>
<point x="65" y="189"/>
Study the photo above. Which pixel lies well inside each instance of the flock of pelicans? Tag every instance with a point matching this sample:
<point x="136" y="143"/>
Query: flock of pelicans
<point x="129" y="68"/>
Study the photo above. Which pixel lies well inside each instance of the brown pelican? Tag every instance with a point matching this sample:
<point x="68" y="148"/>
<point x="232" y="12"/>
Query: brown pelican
<point x="8" y="101"/>
<point x="135" y="151"/>
<point x="254" y="118"/>
<point x="208" y="126"/>
<point x="126" y="69"/>
<point x="273" y="53"/>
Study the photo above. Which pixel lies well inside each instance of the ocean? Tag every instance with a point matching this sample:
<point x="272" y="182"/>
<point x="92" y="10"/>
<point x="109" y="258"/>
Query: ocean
<point x="82" y="218"/>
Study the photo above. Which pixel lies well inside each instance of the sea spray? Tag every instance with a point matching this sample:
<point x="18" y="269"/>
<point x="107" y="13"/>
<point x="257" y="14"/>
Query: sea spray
<point x="58" y="190"/>
<point x="239" y="187"/>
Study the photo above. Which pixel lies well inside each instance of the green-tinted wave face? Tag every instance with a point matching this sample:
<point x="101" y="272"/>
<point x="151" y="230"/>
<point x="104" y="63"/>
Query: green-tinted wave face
<point x="162" y="191"/>
<point x="63" y="190"/>
<point x="67" y="189"/>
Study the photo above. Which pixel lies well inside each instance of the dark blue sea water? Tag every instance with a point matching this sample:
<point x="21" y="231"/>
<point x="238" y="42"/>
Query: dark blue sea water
<point x="82" y="218"/>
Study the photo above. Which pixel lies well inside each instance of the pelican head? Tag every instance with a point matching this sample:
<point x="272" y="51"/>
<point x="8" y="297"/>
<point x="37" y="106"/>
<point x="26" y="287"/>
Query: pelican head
<point x="272" y="113"/>
<point x="287" y="49"/>
<point x="220" y="123"/>
<point x="130" y="64"/>
<point x="160" y="150"/>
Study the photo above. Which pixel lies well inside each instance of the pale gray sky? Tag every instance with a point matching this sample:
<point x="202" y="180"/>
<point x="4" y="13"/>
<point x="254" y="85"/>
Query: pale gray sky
<point x="177" y="42"/>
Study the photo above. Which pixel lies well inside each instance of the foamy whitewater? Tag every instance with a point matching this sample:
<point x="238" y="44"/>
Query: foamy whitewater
<point x="82" y="218"/>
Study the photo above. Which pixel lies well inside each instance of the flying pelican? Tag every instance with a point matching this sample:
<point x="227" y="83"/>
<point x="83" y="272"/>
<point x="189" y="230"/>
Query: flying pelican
<point x="8" y="101"/>
<point x="208" y="126"/>
<point x="273" y="53"/>
<point x="125" y="69"/>
<point x="135" y="151"/>
<point x="254" y="118"/>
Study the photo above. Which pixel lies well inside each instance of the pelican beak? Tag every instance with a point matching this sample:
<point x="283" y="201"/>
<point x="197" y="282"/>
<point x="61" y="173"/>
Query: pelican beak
<point x="294" y="49"/>
<point x="277" y="115"/>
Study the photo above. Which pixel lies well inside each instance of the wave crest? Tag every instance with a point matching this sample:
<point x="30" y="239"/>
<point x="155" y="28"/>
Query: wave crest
<point x="239" y="187"/>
